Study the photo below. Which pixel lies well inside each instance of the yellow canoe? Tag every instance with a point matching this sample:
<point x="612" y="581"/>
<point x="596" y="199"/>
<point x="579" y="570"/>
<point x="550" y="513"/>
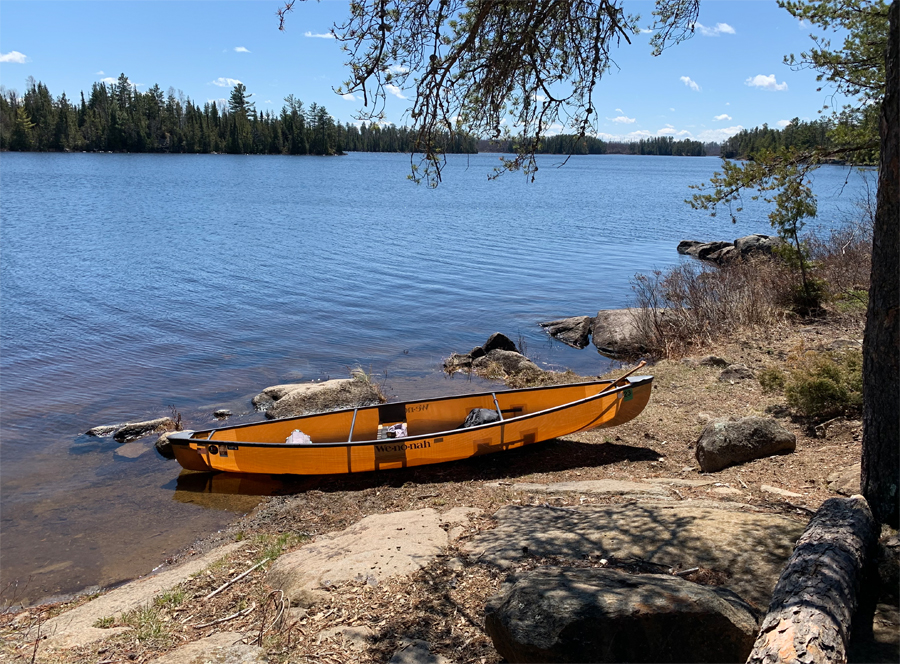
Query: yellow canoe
<point x="357" y="440"/>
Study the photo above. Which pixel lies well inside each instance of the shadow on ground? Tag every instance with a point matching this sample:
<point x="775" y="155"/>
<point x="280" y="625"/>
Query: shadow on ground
<point x="551" y="456"/>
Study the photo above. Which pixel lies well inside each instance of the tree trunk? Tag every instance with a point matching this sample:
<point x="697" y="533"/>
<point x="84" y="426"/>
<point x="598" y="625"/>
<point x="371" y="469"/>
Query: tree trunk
<point x="817" y="594"/>
<point x="881" y="348"/>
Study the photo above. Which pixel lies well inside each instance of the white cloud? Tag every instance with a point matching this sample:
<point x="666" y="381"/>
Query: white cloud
<point x="803" y="24"/>
<point x="398" y="69"/>
<point x="724" y="116"/>
<point x="241" y="49"/>
<point x="318" y="35"/>
<point x="643" y="133"/>
<point x="555" y="129"/>
<point x="14" y="56"/>
<point x="672" y="109"/>
<point x="348" y="96"/>
<point x="622" y="120"/>
<point x="690" y="83"/>
<point x="100" y="73"/>
<point x="109" y="80"/>
<point x="783" y="123"/>
<point x="619" y="110"/>
<point x="394" y="90"/>
<point x="537" y="97"/>
<point x="766" y="83"/>
<point x="224" y="82"/>
<point x="267" y="101"/>
<point x="718" y="135"/>
<point x="669" y="130"/>
<point x="719" y="29"/>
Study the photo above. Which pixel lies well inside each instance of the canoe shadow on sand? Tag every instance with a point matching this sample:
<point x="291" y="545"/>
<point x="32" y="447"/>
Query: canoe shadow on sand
<point x="550" y="456"/>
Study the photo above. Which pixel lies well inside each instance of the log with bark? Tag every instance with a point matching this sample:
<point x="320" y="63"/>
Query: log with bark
<point x="819" y="591"/>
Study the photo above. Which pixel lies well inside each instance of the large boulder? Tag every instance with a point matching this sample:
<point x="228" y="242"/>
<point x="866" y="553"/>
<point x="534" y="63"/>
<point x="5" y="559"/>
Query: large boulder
<point x="499" y="341"/>
<point x="723" y="252"/>
<point x="700" y="250"/>
<point x="497" y="352"/>
<point x="572" y="331"/>
<point x="722" y="256"/>
<point x="306" y="398"/>
<point x="749" y="549"/>
<point x="604" y="615"/>
<point x="725" y="443"/>
<point x="756" y="245"/>
<point x="621" y="333"/>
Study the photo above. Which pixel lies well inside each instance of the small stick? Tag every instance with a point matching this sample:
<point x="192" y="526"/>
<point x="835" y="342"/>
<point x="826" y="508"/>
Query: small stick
<point x="237" y="578"/>
<point x="239" y="614"/>
<point x="685" y="572"/>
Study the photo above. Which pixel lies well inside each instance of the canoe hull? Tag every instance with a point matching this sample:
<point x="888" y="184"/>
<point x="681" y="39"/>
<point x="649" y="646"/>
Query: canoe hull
<point x="233" y="449"/>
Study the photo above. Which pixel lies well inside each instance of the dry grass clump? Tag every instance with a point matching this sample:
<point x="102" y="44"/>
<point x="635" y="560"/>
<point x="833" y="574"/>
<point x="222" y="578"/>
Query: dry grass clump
<point x="695" y="304"/>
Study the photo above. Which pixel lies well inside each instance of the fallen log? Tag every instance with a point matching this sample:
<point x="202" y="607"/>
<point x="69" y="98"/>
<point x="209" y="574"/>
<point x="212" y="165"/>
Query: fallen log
<point x="817" y="595"/>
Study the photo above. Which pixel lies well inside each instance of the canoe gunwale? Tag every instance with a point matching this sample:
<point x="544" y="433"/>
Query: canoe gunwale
<point x="185" y="438"/>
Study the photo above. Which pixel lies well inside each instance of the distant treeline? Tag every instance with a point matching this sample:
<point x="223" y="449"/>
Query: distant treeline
<point x="798" y="134"/>
<point x="118" y="118"/>
<point x="571" y="144"/>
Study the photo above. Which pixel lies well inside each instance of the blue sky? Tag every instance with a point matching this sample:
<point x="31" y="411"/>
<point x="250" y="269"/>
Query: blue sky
<point x="728" y="76"/>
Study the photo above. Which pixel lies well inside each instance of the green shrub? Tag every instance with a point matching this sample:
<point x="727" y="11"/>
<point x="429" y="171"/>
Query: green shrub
<point x="825" y="384"/>
<point x="772" y="379"/>
<point x="807" y="299"/>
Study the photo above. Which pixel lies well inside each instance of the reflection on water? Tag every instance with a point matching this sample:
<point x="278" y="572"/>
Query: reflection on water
<point x="205" y="488"/>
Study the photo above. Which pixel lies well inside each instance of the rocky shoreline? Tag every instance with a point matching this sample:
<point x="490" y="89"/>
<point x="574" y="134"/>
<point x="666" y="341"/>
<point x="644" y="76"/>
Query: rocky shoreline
<point x="693" y="508"/>
<point x="381" y="567"/>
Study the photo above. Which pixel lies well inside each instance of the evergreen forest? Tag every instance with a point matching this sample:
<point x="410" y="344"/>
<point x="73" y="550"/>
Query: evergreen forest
<point x="118" y="118"/>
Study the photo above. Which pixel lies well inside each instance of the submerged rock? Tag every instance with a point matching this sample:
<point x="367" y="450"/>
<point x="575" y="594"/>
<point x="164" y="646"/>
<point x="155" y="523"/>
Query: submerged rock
<point x="125" y="431"/>
<point x="137" y="429"/>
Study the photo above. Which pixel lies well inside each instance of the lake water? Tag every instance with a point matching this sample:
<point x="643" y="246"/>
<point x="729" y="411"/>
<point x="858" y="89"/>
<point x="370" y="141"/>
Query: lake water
<point x="134" y="282"/>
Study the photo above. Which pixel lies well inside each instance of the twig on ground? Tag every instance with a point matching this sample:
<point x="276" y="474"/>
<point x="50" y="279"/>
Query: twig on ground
<point x="685" y="572"/>
<point x="235" y="579"/>
<point x="239" y="614"/>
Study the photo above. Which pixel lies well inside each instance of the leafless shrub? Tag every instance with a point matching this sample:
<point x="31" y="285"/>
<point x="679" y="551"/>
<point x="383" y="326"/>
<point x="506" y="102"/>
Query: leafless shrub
<point x="843" y="257"/>
<point x="694" y="304"/>
<point x="176" y="417"/>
